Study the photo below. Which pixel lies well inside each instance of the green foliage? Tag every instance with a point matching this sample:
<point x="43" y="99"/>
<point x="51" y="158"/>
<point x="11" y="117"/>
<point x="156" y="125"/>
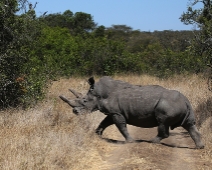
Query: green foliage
<point x="78" y="23"/>
<point x="18" y="35"/>
<point x="201" y="45"/>
<point x="65" y="54"/>
<point x="34" y="51"/>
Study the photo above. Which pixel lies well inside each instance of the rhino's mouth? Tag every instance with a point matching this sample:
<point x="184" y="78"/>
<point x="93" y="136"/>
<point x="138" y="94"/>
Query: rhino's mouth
<point x="81" y="110"/>
<point x="78" y="110"/>
<point x="94" y="109"/>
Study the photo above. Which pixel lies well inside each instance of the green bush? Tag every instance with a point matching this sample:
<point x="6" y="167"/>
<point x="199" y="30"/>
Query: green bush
<point x="18" y="35"/>
<point x="33" y="54"/>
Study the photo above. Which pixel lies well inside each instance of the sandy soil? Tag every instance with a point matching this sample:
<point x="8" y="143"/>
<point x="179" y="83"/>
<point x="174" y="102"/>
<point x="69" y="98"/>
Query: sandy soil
<point x="176" y="152"/>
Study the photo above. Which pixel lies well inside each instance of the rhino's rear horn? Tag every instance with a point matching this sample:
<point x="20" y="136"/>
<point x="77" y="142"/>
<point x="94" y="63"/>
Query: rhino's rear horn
<point x="91" y="81"/>
<point x="77" y="94"/>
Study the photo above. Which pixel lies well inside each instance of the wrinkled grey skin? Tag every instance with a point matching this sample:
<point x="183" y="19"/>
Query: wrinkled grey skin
<point x="141" y="106"/>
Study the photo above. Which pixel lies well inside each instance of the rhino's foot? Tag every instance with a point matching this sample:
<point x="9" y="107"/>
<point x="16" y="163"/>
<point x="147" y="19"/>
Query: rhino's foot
<point x="99" y="132"/>
<point x="201" y="146"/>
<point x="156" y="140"/>
<point x="130" y="140"/>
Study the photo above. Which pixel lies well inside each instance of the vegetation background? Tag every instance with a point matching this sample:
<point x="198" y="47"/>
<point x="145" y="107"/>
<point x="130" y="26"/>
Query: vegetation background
<point x="36" y="50"/>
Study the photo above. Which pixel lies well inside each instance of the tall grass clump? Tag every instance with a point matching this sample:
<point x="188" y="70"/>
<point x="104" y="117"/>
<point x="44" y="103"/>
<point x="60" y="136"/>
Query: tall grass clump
<point x="48" y="136"/>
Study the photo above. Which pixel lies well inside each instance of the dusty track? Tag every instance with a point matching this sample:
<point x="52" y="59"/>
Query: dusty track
<point x="176" y="152"/>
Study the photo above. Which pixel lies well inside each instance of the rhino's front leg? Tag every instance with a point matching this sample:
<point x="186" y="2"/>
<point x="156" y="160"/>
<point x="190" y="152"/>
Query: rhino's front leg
<point x="107" y="121"/>
<point x="121" y="124"/>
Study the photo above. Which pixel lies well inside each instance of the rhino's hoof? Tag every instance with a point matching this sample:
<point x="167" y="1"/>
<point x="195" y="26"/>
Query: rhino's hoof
<point x="200" y="147"/>
<point x="99" y="132"/>
<point x="130" y="140"/>
<point x="156" y="140"/>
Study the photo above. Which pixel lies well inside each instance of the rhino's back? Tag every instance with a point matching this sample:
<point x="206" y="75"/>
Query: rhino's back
<point x="139" y="97"/>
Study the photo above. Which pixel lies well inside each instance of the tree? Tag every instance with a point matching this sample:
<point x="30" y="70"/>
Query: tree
<point x="59" y="20"/>
<point x="17" y="36"/>
<point x="117" y="32"/>
<point x="83" y="23"/>
<point x="99" y="31"/>
<point x="202" y="19"/>
<point x="77" y="23"/>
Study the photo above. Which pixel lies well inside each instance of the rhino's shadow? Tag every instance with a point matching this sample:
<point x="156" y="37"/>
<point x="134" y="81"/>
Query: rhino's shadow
<point x="174" y="146"/>
<point x="123" y="142"/>
<point x="182" y="134"/>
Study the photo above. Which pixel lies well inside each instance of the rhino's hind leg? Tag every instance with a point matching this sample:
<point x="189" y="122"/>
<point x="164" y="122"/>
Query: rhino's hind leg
<point x="163" y="132"/>
<point x="195" y="135"/>
<point x="107" y="121"/>
<point x="121" y="124"/>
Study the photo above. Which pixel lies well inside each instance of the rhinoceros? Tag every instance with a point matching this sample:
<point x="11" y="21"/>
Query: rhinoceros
<point x="142" y="106"/>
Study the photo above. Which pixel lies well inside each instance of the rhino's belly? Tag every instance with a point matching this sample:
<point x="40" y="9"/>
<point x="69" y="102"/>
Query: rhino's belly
<point x="139" y="113"/>
<point x="144" y="121"/>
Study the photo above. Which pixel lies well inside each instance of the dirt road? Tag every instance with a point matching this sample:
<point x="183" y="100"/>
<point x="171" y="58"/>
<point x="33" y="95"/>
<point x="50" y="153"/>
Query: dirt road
<point x="176" y="152"/>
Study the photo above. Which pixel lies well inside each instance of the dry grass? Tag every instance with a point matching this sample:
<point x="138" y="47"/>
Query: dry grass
<point x="49" y="136"/>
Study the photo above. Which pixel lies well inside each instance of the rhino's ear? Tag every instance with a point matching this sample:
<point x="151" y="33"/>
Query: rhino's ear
<point x="91" y="81"/>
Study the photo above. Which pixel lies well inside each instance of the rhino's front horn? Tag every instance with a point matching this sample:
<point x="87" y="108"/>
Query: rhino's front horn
<point x="71" y="103"/>
<point x="77" y="94"/>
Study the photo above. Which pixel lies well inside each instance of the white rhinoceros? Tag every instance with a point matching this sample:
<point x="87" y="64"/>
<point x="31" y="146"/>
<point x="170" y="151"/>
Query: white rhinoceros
<point x="142" y="106"/>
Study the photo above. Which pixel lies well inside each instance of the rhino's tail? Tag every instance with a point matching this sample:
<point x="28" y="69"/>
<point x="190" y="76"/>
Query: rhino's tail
<point x="189" y="110"/>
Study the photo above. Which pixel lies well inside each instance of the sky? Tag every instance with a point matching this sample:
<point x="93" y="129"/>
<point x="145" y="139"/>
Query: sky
<point x="143" y="15"/>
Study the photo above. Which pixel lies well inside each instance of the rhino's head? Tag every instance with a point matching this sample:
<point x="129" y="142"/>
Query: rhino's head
<point x="82" y="104"/>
